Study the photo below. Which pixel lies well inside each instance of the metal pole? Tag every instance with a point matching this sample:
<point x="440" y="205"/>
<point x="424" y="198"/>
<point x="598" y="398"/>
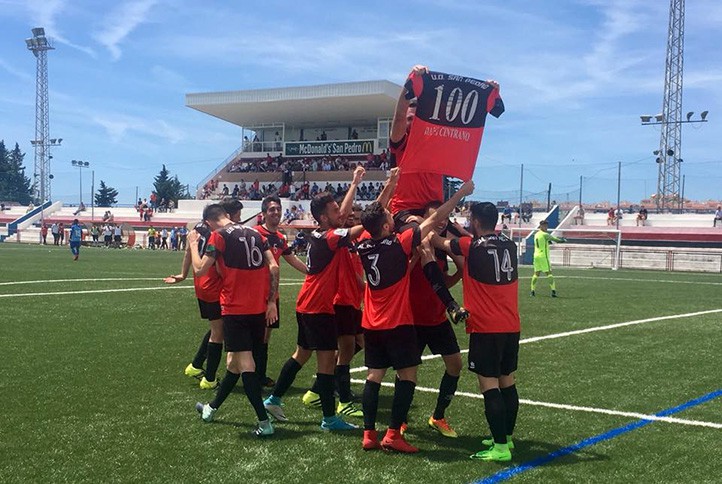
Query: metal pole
<point x="92" y="196"/>
<point x="619" y="188"/>
<point x="136" y="195"/>
<point x="521" y="195"/>
<point x="549" y="197"/>
<point x="80" y="169"/>
<point x="581" y="181"/>
<point x="681" y="200"/>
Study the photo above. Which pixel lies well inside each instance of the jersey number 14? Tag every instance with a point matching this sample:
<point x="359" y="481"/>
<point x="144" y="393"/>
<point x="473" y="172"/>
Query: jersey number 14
<point x="505" y="265"/>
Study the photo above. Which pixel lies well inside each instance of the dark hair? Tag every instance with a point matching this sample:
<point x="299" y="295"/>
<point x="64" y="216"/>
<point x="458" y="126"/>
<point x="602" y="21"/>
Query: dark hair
<point x="269" y="200"/>
<point x="319" y="203"/>
<point x="231" y="206"/>
<point x="486" y="214"/>
<point x="75" y="222"/>
<point x="214" y="212"/>
<point x="373" y="218"/>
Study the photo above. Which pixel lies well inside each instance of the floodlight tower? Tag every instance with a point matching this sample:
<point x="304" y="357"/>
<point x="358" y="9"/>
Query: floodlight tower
<point x="39" y="45"/>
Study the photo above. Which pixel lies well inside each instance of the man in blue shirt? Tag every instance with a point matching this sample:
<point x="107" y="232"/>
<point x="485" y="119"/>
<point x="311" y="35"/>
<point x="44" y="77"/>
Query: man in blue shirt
<point x="76" y="234"/>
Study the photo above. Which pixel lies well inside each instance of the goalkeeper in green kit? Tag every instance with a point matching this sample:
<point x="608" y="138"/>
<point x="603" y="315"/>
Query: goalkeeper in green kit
<point x="541" y="256"/>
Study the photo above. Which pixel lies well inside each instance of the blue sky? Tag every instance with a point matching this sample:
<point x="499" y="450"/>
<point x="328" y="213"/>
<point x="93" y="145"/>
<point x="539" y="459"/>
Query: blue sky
<point x="575" y="76"/>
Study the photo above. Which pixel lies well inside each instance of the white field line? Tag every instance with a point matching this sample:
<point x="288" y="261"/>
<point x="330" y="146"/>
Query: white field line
<point x="642" y="416"/>
<point x="628" y="279"/>
<point x="102" y="291"/>
<point x="53" y="281"/>
<point x="583" y="331"/>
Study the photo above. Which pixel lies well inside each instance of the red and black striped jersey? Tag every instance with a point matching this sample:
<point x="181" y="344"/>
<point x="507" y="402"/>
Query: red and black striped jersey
<point x="413" y="190"/>
<point x="349" y="292"/>
<point x="491" y="292"/>
<point x="239" y="252"/>
<point x="322" y="260"/>
<point x="449" y="123"/>
<point x="386" y="264"/>
<point x="207" y="286"/>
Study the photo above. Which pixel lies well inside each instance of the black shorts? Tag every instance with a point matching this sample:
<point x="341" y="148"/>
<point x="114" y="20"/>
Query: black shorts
<point x="210" y="310"/>
<point x="348" y="320"/>
<point x="317" y="332"/>
<point x="395" y="348"/>
<point x="117" y="238"/>
<point x="243" y="332"/>
<point x="493" y="354"/>
<point x="440" y="339"/>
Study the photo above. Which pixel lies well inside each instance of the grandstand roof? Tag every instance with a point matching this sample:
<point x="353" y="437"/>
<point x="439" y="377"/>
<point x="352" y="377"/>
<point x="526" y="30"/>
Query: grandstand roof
<point x="328" y="104"/>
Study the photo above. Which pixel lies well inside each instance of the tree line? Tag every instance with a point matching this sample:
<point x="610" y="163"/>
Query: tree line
<point x="16" y="186"/>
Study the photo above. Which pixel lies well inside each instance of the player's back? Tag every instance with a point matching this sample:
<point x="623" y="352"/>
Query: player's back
<point x="241" y="262"/>
<point x="386" y="264"/>
<point x="490" y="283"/>
<point x="319" y="288"/>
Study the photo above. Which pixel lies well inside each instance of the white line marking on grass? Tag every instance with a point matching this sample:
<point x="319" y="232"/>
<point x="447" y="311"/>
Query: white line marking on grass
<point x="642" y="416"/>
<point x="102" y="291"/>
<point x="628" y="279"/>
<point x="53" y="281"/>
<point x="583" y="331"/>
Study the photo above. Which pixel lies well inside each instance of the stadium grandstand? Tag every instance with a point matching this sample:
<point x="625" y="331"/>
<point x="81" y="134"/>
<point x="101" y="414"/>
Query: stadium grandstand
<point x="297" y="141"/>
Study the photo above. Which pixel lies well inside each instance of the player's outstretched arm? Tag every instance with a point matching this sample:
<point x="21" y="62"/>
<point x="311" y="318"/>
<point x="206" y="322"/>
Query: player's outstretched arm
<point x="347" y="203"/>
<point x="200" y="264"/>
<point x="271" y="310"/>
<point x="443" y="211"/>
<point x="296" y="263"/>
<point x="185" y="267"/>
<point x="389" y="187"/>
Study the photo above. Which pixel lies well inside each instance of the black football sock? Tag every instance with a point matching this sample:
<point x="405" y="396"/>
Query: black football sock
<point x="229" y="381"/>
<point x="511" y="402"/>
<point x="343" y="383"/>
<point x="325" y="387"/>
<point x="202" y="351"/>
<point x="447" y="389"/>
<point x="495" y="414"/>
<point x="315" y="388"/>
<point x="403" y="396"/>
<point x="252" y="387"/>
<point x="370" y="404"/>
<point x="433" y="274"/>
<point x="215" y="350"/>
<point x="286" y="377"/>
<point x="260" y="356"/>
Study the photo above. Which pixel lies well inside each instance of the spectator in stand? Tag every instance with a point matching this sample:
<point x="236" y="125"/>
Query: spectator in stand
<point x="148" y="214"/>
<point x="642" y="216"/>
<point x="526" y="213"/>
<point x="284" y="192"/>
<point x="153" y="199"/>
<point x="107" y="235"/>
<point x="717" y="216"/>
<point x="224" y="192"/>
<point x="44" y="234"/>
<point x="182" y="238"/>
<point x="619" y="214"/>
<point x="579" y="217"/>
<point x="354" y="134"/>
<point x="61" y="232"/>
<point x="236" y="191"/>
<point x="81" y="208"/>
<point x="31" y="207"/>
<point x="292" y="191"/>
<point x="323" y="136"/>
<point x="506" y="214"/>
<point x="54" y="231"/>
<point x="610" y="216"/>
<point x="314" y="189"/>
<point x="171" y="205"/>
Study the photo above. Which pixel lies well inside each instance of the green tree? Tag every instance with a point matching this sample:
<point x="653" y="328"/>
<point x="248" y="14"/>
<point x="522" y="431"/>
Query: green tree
<point x="106" y="196"/>
<point x="14" y="185"/>
<point x="169" y="188"/>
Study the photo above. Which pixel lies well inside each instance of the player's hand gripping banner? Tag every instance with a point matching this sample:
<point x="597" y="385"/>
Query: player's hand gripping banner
<point x="450" y="115"/>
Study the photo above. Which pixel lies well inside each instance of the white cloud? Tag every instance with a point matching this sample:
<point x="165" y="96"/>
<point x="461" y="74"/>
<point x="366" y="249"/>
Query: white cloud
<point x="22" y="75"/>
<point x="120" y="22"/>
<point x="119" y="126"/>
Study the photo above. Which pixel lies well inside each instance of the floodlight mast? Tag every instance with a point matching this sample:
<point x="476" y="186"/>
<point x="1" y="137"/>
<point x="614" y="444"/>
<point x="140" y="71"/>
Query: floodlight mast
<point x="39" y="45"/>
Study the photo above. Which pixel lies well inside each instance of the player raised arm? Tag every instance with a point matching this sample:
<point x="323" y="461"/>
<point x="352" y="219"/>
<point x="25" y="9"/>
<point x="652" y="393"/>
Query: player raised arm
<point x="271" y="310"/>
<point x="443" y="211"/>
<point x="385" y="196"/>
<point x="200" y="265"/>
<point x="398" y="126"/>
<point x="347" y="203"/>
